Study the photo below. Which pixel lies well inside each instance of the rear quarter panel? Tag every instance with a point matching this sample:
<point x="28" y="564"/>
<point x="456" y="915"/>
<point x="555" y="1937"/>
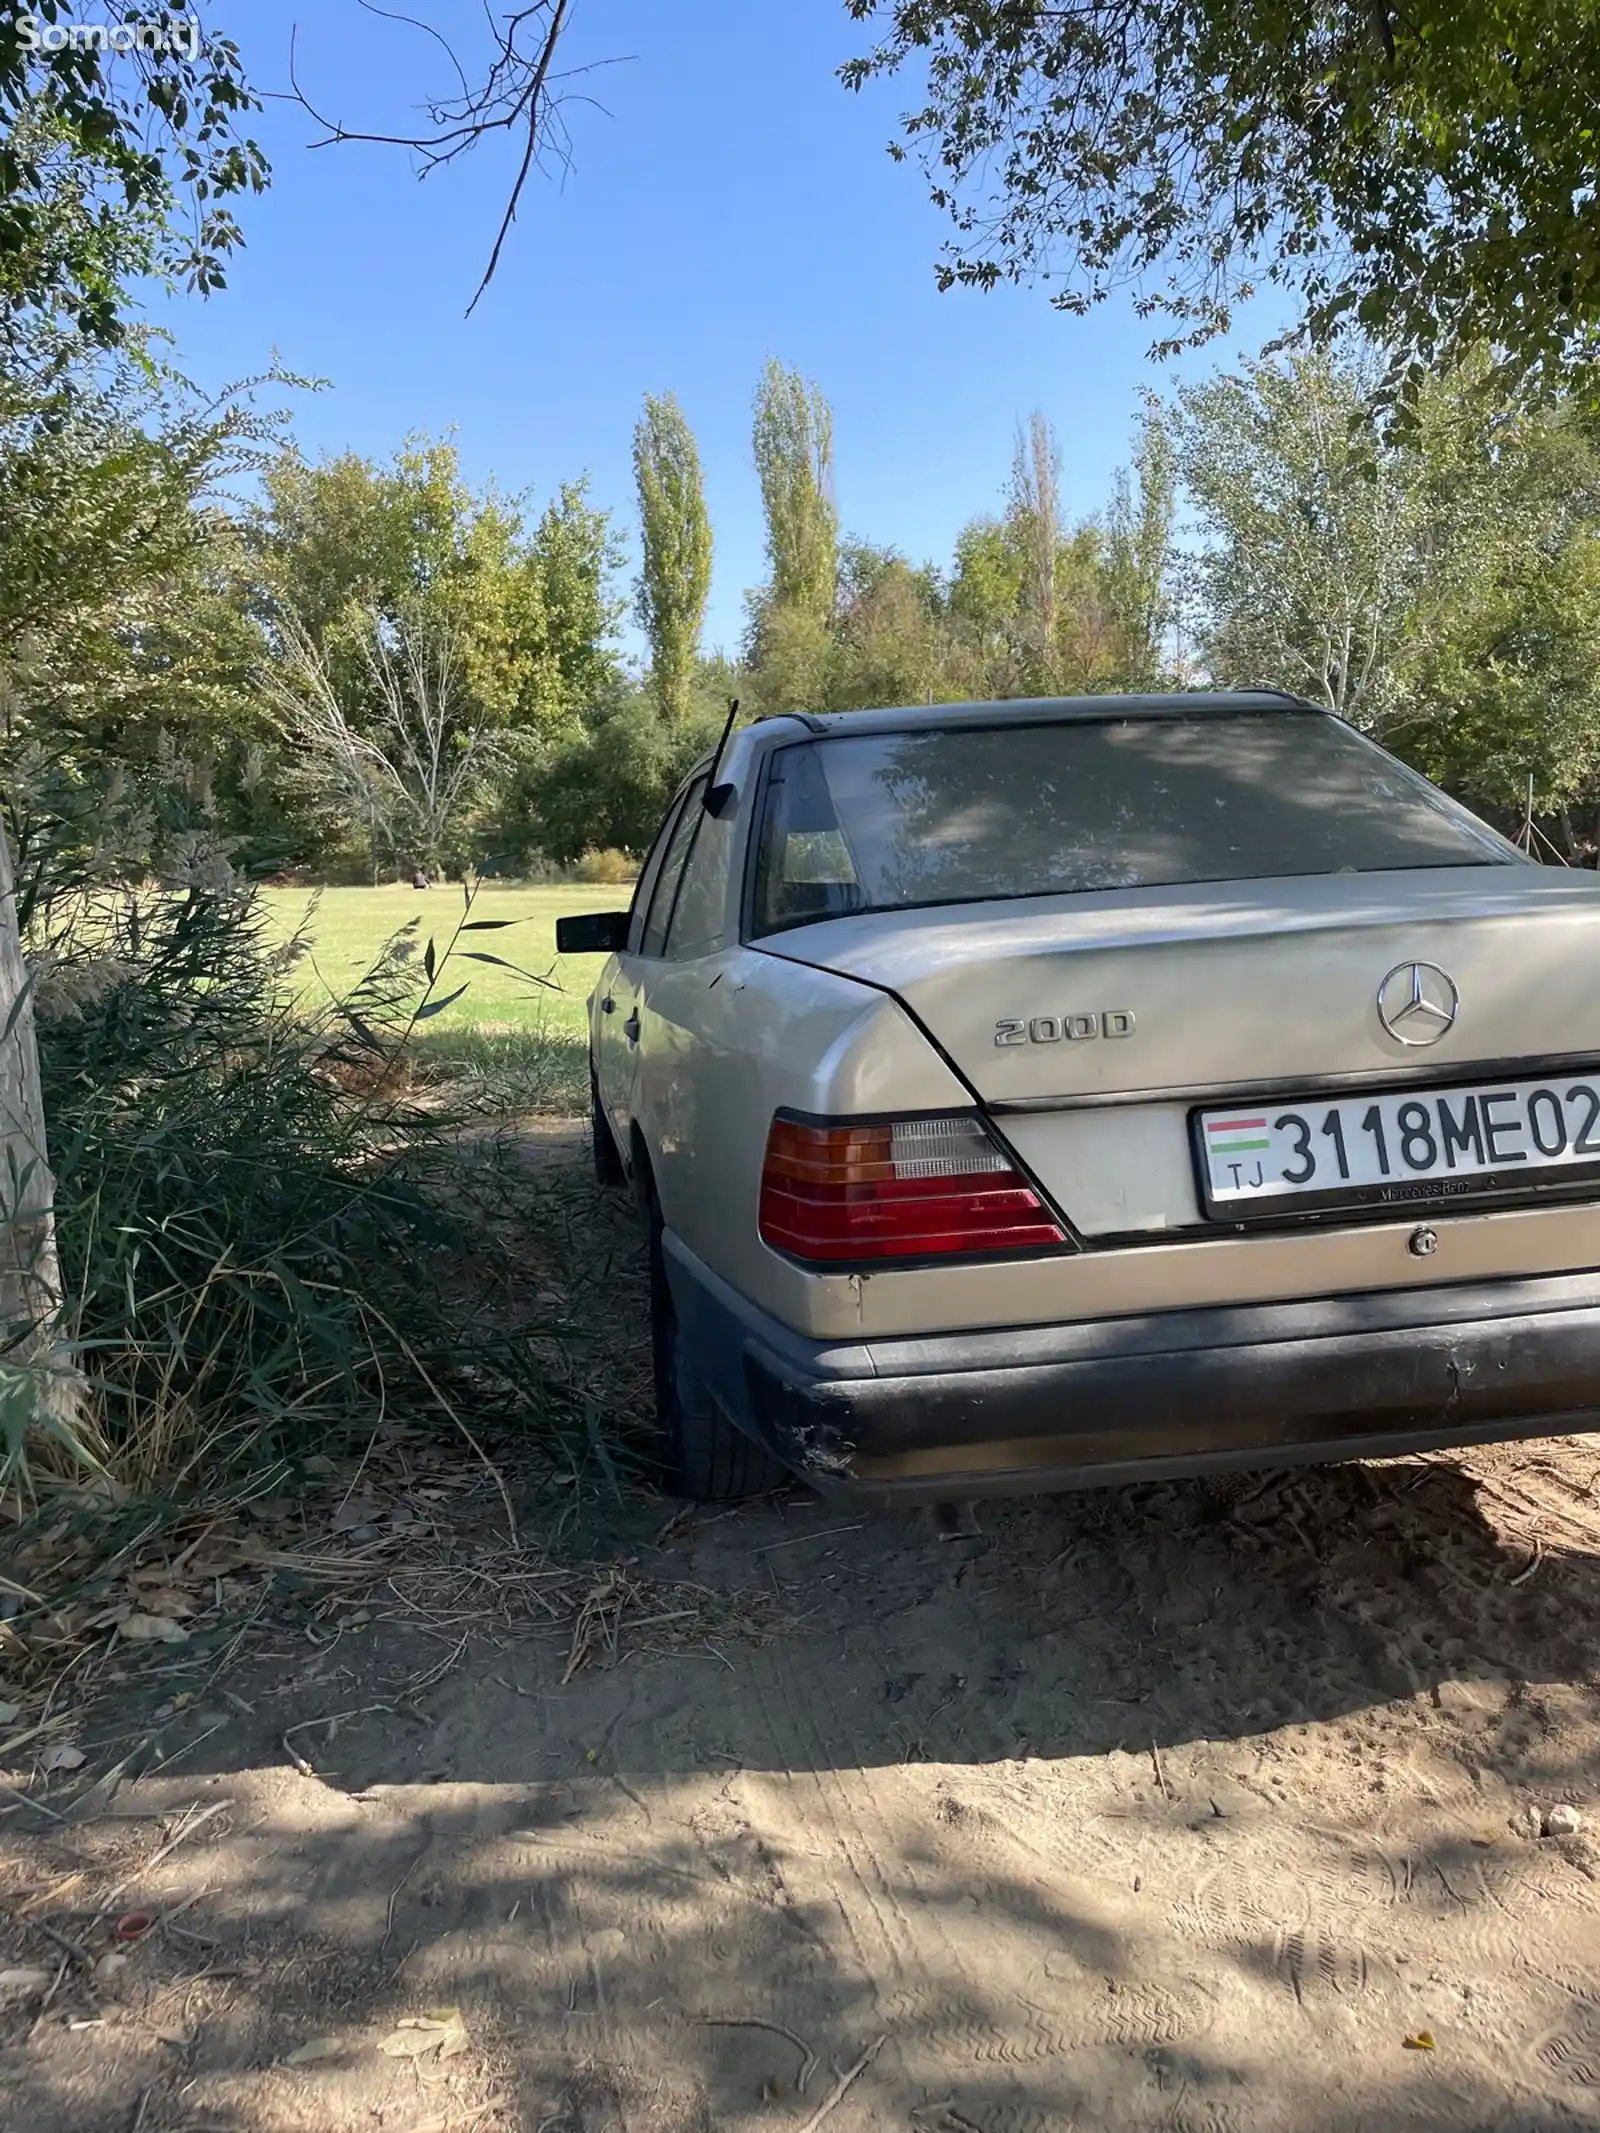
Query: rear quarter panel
<point x="727" y="1041"/>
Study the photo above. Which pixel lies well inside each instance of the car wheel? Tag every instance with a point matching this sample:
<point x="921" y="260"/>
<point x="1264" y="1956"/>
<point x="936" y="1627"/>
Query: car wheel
<point x="608" y="1168"/>
<point x="704" y="1456"/>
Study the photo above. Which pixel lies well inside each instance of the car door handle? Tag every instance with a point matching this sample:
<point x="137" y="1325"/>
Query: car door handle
<point x="608" y="1006"/>
<point x="631" y="1027"/>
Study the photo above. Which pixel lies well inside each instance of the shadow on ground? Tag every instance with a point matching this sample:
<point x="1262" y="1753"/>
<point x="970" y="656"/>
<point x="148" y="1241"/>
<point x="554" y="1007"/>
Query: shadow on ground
<point x="1076" y="1626"/>
<point x="1182" y="1807"/>
<point x="1206" y="1807"/>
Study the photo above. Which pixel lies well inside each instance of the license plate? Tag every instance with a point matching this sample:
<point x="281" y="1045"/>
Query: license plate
<point x="1398" y="1146"/>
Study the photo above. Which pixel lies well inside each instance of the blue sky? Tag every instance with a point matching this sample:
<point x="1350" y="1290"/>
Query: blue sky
<point x="733" y="201"/>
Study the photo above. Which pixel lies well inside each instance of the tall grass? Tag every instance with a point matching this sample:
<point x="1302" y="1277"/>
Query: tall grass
<point x="239" y="1215"/>
<point x="494" y="1069"/>
<point x="250" y="1215"/>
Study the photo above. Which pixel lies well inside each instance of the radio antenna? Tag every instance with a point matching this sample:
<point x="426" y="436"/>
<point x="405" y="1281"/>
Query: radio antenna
<point x="717" y="796"/>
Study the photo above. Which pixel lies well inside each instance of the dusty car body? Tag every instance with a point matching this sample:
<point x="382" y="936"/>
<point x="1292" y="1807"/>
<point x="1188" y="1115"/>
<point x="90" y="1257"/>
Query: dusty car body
<point x="1025" y="1096"/>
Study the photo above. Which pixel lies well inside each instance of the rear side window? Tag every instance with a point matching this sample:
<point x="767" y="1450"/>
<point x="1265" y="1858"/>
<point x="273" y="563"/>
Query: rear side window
<point x="644" y="886"/>
<point x="885" y="821"/>
<point x="700" y="921"/>
<point x="665" y="893"/>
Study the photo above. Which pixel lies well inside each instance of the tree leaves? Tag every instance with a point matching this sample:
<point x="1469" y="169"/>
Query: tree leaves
<point x="152" y="1629"/>
<point x="443" y="2031"/>
<point x="138" y="130"/>
<point x="314" y="2051"/>
<point x="1440" y="588"/>
<point x="1431" y="171"/>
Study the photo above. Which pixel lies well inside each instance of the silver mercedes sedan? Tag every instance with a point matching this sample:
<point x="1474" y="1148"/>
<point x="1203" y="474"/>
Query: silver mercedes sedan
<point x="1029" y="1095"/>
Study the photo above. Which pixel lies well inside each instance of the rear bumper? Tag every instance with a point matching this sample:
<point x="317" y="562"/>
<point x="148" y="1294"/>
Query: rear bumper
<point x="1031" y="1409"/>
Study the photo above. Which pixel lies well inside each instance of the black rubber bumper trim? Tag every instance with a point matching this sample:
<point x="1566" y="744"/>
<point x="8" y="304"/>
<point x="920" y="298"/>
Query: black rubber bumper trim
<point x="1045" y="1471"/>
<point x="1121" y="1416"/>
<point x="1033" y="1408"/>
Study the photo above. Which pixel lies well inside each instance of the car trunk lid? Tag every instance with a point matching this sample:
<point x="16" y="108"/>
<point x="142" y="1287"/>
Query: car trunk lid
<point x="1217" y="986"/>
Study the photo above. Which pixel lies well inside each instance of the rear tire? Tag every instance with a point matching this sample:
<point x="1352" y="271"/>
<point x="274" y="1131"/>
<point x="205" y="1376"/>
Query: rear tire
<point x="608" y="1168"/>
<point x="704" y="1456"/>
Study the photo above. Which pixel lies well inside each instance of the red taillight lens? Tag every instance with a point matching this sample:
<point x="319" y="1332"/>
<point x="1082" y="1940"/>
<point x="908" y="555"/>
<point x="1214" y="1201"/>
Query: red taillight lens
<point x="919" y="1188"/>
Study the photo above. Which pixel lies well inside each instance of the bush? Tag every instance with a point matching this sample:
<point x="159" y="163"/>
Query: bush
<point x="238" y="1223"/>
<point x="243" y="1211"/>
<point x="608" y="866"/>
<point x="604" y="788"/>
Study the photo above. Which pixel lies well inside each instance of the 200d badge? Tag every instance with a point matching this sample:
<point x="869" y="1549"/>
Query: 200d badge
<point x="1074" y="1029"/>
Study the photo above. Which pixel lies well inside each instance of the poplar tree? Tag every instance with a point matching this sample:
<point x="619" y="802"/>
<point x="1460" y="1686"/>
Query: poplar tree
<point x="1139" y="552"/>
<point x="794" y="458"/>
<point x="1033" y="515"/>
<point x="676" y="578"/>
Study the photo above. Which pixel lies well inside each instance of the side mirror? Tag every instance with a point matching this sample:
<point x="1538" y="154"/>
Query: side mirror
<point x="596" y="933"/>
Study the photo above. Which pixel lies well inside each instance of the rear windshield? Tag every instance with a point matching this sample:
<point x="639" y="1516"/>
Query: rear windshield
<point x="882" y="821"/>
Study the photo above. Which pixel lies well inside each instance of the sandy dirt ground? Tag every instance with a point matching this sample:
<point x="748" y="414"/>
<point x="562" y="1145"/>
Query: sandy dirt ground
<point x="1210" y="1808"/>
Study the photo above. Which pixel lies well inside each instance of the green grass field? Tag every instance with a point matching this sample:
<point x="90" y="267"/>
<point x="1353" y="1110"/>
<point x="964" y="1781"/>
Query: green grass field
<point x="528" y="1038"/>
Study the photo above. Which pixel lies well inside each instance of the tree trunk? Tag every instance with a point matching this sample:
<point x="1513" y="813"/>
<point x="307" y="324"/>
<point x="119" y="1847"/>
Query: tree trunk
<point x="30" y="1280"/>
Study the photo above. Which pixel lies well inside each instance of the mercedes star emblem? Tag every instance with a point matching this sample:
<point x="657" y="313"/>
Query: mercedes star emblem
<point x="1417" y="1003"/>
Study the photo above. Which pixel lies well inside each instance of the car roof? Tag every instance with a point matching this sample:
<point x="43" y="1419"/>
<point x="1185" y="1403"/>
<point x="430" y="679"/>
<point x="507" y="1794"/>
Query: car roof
<point x="1048" y="710"/>
<point x="782" y="728"/>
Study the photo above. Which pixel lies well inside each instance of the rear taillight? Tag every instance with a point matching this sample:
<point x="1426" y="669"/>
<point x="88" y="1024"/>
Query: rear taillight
<point x="917" y="1188"/>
